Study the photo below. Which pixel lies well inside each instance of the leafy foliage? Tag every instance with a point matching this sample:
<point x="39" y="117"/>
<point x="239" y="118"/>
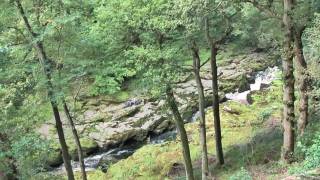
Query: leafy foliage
<point x="103" y="45"/>
<point x="312" y="49"/>
<point x="312" y="159"/>
<point x="242" y="174"/>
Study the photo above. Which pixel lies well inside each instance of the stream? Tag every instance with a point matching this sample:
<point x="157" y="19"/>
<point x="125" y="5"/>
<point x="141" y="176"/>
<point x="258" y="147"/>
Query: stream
<point x="102" y="160"/>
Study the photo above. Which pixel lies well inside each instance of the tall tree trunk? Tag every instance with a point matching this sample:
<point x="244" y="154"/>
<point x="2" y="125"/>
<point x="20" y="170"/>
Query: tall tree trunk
<point x="202" y="123"/>
<point x="183" y="134"/>
<point x="215" y="103"/>
<point x="45" y="63"/>
<point x="215" y="95"/>
<point x="76" y="139"/>
<point x="288" y="89"/>
<point x="303" y="82"/>
<point x="63" y="144"/>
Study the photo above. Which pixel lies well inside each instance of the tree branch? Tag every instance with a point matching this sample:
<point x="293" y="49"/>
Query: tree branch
<point x="25" y="19"/>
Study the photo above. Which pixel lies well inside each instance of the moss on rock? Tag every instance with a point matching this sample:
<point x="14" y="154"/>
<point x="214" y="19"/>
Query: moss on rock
<point x="89" y="146"/>
<point x="54" y="158"/>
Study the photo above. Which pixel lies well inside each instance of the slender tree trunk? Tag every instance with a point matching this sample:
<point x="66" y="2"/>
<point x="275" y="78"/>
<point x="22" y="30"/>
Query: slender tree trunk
<point x="63" y="144"/>
<point x="215" y="90"/>
<point x="288" y="89"/>
<point x="202" y="123"/>
<point x="183" y="134"/>
<point x="215" y="103"/>
<point x="303" y="82"/>
<point x="77" y="140"/>
<point x="45" y="63"/>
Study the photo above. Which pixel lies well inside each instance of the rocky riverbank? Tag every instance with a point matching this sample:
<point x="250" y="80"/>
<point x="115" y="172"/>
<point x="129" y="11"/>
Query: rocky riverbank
<point x="104" y="124"/>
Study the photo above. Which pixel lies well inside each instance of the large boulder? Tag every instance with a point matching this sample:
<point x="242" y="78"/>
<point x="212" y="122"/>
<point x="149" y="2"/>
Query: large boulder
<point x="108" y="137"/>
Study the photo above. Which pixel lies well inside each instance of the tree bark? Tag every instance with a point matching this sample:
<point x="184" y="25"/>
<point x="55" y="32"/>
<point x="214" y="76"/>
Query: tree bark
<point x="45" y="63"/>
<point x="288" y="88"/>
<point x="76" y="139"/>
<point x="202" y="123"/>
<point x="215" y="95"/>
<point x="215" y="104"/>
<point x="303" y="82"/>
<point x="183" y="134"/>
<point x="63" y="144"/>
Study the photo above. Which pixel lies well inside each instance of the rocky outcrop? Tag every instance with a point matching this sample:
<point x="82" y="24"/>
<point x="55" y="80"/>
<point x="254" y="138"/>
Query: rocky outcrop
<point x="111" y="124"/>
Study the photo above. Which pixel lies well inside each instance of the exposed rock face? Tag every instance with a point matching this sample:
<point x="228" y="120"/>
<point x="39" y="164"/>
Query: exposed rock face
<point x="112" y="124"/>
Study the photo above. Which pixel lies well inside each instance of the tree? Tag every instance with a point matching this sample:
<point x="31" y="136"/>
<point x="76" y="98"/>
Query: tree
<point x="182" y="132"/>
<point x="74" y="132"/>
<point x="303" y="81"/>
<point x="76" y="139"/>
<point x="202" y="123"/>
<point x="195" y="17"/>
<point x="288" y="97"/>
<point x="288" y="69"/>
<point x="226" y="13"/>
<point x="311" y="39"/>
<point x="73" y="127"/>
<point x="188" y="16"/>
<point x="298" y="19"/>
<point x="22" y="151"/>
<point x="153" y="48"/>
<point x="302" y="17"/>
<point x="46" y="65"/>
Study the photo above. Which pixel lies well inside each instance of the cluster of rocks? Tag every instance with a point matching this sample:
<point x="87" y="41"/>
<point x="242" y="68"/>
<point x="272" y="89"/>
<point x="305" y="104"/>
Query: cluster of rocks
<point x="110" y="124"/>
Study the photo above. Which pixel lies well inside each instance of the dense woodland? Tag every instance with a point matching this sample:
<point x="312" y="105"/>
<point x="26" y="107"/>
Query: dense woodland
<point x="159" y="89"/>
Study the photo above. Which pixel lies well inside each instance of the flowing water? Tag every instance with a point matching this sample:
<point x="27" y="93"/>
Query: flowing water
<point x="263" y="79"/>
<point x="102" y="159"/>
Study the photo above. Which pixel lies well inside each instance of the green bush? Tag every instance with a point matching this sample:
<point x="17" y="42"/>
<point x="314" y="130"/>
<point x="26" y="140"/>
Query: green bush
<point x="242" y="174"/>
<point x="29" y="152"/>
<point x="312" y="153"/>
<point x="265" y="114"/>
